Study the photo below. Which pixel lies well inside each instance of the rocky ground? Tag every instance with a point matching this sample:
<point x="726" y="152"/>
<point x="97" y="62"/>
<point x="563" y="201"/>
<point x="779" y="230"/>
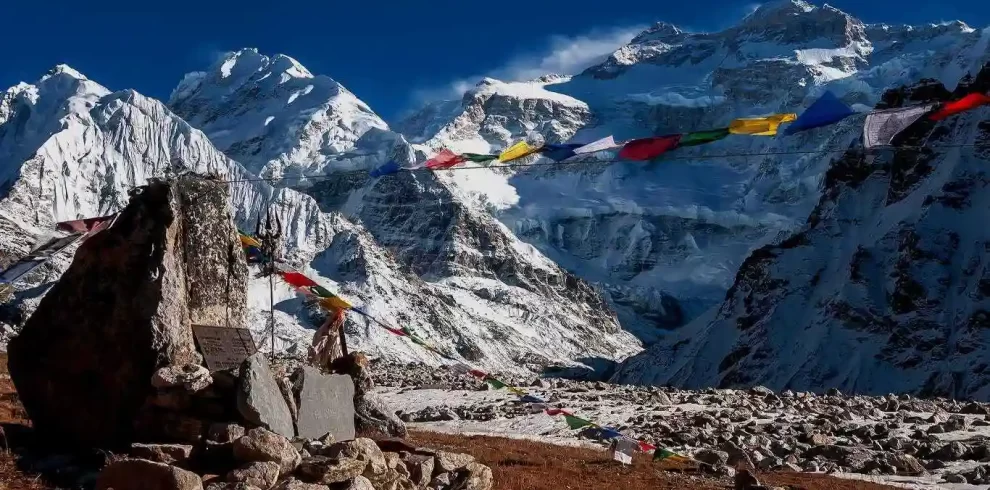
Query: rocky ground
<point x="920" y="443"/>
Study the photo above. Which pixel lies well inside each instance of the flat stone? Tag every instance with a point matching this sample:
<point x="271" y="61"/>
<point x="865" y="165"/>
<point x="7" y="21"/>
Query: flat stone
<point x="162" y="453"/>
<point x="140" y="474"/>
<point x="261" y="474"/>
<point x="191" y="377"/>
<point x="420" y="468"/>
<point x="360" y="483"/>
<point x="446" y="461"/>
<point x="219" y="485"/>
<point x="293" y="484"/>
<point x="326" y="405"/>
<point x="326" y="470"/>
<point x="222" y="432"/>
<point x="474" y="476"/>
<point x="259" y="399"/>
<point x="263" y="445"/>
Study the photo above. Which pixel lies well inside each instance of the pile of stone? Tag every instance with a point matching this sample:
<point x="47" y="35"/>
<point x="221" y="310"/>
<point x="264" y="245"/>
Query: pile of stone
<point x="260" y="460"/>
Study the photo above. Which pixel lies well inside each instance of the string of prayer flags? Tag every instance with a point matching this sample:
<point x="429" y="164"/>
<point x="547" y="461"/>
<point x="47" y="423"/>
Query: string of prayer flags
<point x="971" y="101"/>
<point x="649" y="148"/>
<point x="478" y="157"/>
<point x="389" y="167"/>
<point x="560" y="152"/>
<point x="828" y="109"/>
<point x="760" y="126"/>
<point x="881" y="127"/>
<point x="517" y="151"/>
<point x="695" y="138"/>
<point x="444" y="159"/>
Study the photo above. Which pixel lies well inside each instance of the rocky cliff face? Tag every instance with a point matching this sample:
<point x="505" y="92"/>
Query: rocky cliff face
<point x="884" y="289"/>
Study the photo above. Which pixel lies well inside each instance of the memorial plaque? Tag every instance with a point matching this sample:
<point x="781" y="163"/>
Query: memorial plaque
<point x="222" y="347"/>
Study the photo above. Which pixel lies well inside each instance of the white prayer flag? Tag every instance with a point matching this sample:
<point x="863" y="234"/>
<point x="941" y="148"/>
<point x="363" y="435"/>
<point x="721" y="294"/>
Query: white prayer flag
<point x="602" y="144"/>
<point x="882" y="126"/>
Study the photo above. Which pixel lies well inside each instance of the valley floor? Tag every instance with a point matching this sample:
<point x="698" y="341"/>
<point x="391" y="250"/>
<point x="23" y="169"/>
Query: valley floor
<point x="517" y="464"/>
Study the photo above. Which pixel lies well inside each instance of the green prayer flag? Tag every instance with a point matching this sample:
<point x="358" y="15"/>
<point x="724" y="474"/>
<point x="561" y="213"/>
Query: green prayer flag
<point x="496" y="384"/>
<point x="321" y="291"/>
<point x="477" y="157"/>
<point x="701" y="137"/>
<point x="575" y="422"/>
<point x="661" y="454"/>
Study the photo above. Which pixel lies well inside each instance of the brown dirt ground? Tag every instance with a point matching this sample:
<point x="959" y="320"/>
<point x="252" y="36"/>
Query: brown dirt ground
<point x="516" y="464"/>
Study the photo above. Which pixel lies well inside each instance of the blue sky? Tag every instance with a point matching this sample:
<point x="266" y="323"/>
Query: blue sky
<point x="391" y="53"/>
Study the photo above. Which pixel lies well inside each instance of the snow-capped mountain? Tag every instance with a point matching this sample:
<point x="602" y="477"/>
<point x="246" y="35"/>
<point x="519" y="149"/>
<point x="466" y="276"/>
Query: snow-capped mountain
<point x="70" y="148"/>
<point x="516" y="266"/>
<point x="886" y="288"/>
<point x="665" y="239"/>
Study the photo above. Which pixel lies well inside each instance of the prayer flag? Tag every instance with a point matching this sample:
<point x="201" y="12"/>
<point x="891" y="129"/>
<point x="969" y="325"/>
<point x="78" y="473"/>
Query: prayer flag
<point x="881" y="127"/>
<point x="576" y="422"/>
<point x="646" y="447"/>
<point x="389" y="167"/>
<point x="87" y="225"/>
<point x="444" y="159"/>
<point x="966" y="103"/>
<point x="335" y="302"/>
<point x="558" y="411"/>
<point x="298" y="280"/>
<point x="248" y="241"/>
<point x="477" y="157"/>
<point x="36" y="257"/>
<point x="517" y="151"/>
<point x="661" y="454"/>
<point x="760" y="126"/>
<point x="494" y="383"/>
<point x="531" y="399"/>
<point x="560" y="153"/>
<point x="695" y="138"/>
<point x="599" y="145"/>
<point x="609" y="433"/>
<point x="649" y="148"/>
<point x="478" y="374"/>
<point x="516" y="391"/>
<point x="321" y="291"/>
<point x="828" y="109"/>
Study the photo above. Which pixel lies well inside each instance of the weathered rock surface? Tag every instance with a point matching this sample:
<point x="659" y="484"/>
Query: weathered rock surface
<point x="326" y="405"/>
<point x="326" y="470"/>
<point x="261" y="474"/>
<point x="139" y="474"/>
<point x="474" y="476"/>
<point x="162" y="453"/>
<point x="191" y="377"/>
<point x="93" y="344"/>
<point x="263" y="445"/>
<point x="260" y="400"/>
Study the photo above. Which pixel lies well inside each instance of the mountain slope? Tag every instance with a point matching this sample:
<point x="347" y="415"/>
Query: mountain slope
<point x="885" y="289"/>
<point x="666" y="238"/>
<point x="70" y="148"/>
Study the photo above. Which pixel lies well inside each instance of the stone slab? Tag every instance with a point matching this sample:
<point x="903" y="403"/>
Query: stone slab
<point x="326" y="405"/>
<point x="259" y="399"/>
<point x="223" y="347"/>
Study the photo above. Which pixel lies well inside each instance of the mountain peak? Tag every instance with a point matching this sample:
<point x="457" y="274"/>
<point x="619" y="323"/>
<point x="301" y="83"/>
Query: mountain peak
<point x="63" y="69"/>
<point x="781" y="7"/>
<point x="659" y="31"/>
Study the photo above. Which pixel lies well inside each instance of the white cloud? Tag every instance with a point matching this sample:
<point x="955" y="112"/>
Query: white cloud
<point x="564" y="55"/>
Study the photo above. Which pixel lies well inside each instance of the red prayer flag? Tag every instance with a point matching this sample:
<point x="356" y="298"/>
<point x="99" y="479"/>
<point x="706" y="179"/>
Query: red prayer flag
<point x="649" y="148"/>
<point x="966" y="103"/>
<point x="646" y="447"/>
<point x="444" y="159"/>
<point x="477" y="374"/>
<point x="558" y="411"/>
<point x="297" y="280"/>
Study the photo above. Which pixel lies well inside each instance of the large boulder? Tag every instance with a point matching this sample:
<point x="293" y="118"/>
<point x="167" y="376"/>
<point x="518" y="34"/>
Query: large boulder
<point x="84" y="362"/>
<point x="139" y="474"/>
<point x="263" y="445"/>
<point x="260" y="400"/>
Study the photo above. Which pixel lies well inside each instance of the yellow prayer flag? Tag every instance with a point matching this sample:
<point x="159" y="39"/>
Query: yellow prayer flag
<point x="246" y="240"/>
<point x="516" y="151"/>
<point x="760" y="126"/>
<point x="335" y="302"/>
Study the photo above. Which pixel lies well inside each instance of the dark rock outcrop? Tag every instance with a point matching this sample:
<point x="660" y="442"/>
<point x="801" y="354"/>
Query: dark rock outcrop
<point x="84" y="362"/>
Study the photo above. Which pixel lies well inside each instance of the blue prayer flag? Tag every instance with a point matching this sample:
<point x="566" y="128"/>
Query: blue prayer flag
<point x="828" y="109"/>
<point x="560" y="152"/>
<point x="531" y="399"/>
<point x="389" y="168"/>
